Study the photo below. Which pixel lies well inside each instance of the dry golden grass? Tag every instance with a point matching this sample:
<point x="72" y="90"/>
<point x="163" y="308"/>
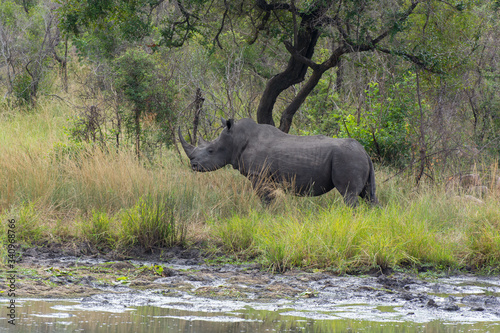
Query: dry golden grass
<point x="61" y="192"/>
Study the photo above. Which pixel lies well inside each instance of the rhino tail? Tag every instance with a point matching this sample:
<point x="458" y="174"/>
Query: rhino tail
<point x="370" y="187"/>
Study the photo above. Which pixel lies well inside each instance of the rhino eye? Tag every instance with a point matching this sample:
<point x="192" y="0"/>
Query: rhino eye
<point x="210" y="150"/>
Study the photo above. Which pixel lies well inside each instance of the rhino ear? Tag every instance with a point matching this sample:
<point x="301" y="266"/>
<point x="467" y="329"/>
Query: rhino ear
<point x="227" y="123"/>
<point x="201" y="141"/>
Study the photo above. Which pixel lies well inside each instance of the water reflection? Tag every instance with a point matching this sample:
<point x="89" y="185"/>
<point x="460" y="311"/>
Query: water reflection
<point x="69" y="316"/>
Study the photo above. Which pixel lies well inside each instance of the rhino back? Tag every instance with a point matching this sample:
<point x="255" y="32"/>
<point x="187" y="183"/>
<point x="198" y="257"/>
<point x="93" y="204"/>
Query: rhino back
<point x="304" y="160"/>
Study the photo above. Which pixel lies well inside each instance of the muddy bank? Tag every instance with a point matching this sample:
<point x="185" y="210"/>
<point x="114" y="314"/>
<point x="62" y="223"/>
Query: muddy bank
<point x="183" y="280"/>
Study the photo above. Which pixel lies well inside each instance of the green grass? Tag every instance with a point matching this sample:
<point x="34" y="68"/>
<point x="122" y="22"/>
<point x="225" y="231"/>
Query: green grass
<point x="111" y="200"/>
<point x="151" y="223"/>
<point x="99" y="229"/>
<point x="343" y="239"/>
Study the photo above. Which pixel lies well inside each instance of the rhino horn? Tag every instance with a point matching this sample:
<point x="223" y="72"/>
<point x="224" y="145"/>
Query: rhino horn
<point x="187" y="147"/>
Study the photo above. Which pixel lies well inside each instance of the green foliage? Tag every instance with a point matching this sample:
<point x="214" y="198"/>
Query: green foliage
<point x="99" y="229"/>
<point x="96" y="46"/>
<point x="71" y="150"/>
<point x="9" y="15"/>
<point x="144" y="83"/>
<point x="386" y="129"/>
<point x="27" y="41"/>
<point x="142" y="111"/>
<point x="432" y="35"/>
<point x="150" y="224"/>
<point x="29" y="225"/>
<point x="487" y="111"/>
<point x="427" y="35"/>
<point x="321" y="108"/>
<point x="21" y="87"/>
<point x="386" y="126"/>
<point x="100" y="28"/>
<point x="134" y="75"/>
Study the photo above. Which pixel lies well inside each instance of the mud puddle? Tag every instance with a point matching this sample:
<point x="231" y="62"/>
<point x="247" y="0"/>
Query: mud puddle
<point x="73" y="316"/>
<point x="190" y="296"/>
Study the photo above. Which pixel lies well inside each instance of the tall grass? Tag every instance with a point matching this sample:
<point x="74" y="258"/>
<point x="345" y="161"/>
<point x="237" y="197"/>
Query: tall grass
<point x="343" y="239"/>
<point x="151" y="223"/>
<point x="100" y="229"/>
<point x="104" y="197"/>
<point x="33" y="169"/>
<point x="113" y="200"/>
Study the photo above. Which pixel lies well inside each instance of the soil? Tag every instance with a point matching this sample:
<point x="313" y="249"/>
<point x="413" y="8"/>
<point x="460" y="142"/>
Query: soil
<point x="185" y="277"/>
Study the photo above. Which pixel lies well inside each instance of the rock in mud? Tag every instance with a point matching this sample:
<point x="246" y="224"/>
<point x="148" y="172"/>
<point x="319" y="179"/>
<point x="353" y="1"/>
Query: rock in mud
<point x="481" y="301"/>
<point x="120" y="265"/>
<point x="394" y="283"/>
<point x="451" y="307"/>
<point x="432" y="303"/>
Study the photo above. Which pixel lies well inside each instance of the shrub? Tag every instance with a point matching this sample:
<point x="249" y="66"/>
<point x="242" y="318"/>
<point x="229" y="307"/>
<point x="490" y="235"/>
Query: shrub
<point x="21" y="88"/>
<point x="29" y="224"/>
<point x="98" y="229"/>
<point x="385" y="128"/>
<point x="151" y="223"/>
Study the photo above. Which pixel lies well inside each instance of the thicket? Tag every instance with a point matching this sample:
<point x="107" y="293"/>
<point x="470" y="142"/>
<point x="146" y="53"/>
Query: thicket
<point x="107" y="85"/>
<point x="417" y="86"/>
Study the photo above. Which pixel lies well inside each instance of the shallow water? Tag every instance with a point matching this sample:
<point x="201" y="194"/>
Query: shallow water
<point x="194" y="297"/>
<point x="76" y="316"/>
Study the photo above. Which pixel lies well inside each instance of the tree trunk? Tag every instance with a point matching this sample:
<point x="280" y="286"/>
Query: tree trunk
<point x="63" y="62"/>
<point x="340" y="76"/>
<point x="318" y="71"/>
<point x="118" y="126"/>
<point x="293" y="107"/>
<point x="137" y="132"/>
<point x="293" y="74"/>
<point x="198" y="104"/>
<point x="422" y="142"/>
<point x="65" y="67"/>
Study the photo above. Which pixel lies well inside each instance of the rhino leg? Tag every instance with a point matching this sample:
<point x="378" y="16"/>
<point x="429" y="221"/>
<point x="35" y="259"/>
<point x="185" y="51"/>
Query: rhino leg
<point x="367" y="195"/>
<point x="262" y="188"/>
<point x="350" y="199"/>
<point x="350" y="191"/>
<point x="368" y="192"/>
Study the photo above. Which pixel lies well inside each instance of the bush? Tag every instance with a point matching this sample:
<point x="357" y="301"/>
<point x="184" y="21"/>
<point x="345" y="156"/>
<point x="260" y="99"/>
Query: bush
<point x="21" y="88"/>
<point x="151" y="223"/>
<point x="29" y="224"/>
<point x="98" y="230"/>
<point x="385" y="129"/>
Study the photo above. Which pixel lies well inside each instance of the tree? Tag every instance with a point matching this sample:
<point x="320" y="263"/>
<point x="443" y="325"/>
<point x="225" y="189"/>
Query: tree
<point x="298" y="26"/>
<point x="142" y="81"/>
<point x="28" y="37"/>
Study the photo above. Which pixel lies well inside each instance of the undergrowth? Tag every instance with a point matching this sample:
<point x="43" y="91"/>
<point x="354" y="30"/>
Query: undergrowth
<point x="112" y="200"/>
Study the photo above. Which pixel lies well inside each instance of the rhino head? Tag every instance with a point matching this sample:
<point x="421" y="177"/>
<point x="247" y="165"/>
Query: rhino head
<point x="213" y="155"/>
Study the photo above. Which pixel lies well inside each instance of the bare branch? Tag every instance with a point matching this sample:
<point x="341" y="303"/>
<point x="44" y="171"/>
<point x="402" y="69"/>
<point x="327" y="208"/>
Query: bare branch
<point x="261" y="27"/>
<point x="294" y="16"/>
<point x="416" y="60"/>
<point x="262" y="4"/>
<point x="400" y="20"/>
<point x="222" y="25"/>
<point x="299" y="57"/>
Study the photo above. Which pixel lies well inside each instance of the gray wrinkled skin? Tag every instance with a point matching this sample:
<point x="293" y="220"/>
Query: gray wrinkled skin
<point x="310" y="165"/>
